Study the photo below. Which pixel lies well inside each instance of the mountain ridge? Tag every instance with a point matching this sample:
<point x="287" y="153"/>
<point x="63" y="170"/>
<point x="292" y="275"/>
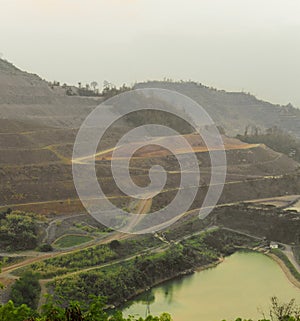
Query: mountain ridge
<point x="234" y="111"/>
<point x="26" y="96"/>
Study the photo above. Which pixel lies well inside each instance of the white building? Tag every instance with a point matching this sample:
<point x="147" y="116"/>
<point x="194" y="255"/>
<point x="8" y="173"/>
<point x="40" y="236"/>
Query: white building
<point x="273" y="245"/>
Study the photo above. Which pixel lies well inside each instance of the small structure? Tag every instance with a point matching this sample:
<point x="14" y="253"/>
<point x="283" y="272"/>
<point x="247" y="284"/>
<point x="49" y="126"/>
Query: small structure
<point x="273" y="245"/>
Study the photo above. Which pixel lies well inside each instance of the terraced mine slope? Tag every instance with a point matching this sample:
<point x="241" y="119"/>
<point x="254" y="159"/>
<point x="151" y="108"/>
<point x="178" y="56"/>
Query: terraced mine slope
<point x="38" y="126"/>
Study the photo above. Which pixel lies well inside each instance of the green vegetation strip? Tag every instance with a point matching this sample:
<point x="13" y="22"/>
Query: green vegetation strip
<point x="287" y="262"/>
<point x="296" y="251"/>
<point x="90" y="257"/>
<point x="7" y="260"/>
<point x="121" y="281"/>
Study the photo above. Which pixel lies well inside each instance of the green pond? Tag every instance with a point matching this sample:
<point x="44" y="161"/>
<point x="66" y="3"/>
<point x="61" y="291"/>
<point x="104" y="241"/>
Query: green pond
<point x="241" y="286"/>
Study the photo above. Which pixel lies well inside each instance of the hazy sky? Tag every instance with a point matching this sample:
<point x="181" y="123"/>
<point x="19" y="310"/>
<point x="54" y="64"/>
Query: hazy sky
<point x="251" y="45"/>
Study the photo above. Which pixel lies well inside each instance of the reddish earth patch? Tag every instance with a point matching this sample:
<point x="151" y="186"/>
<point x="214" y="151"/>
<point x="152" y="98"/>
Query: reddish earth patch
<point x="6" y="282"/>
<point x="153" y="148"/>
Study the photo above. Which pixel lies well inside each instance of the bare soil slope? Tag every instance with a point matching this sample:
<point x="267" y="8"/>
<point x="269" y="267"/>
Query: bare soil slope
<point x="25" y="96"/>
<point x="38" y="126"/>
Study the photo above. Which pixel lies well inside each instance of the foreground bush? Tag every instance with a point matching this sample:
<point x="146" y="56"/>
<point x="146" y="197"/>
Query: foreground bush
<point x="280" y="311"/>
<point x="74" y="312"/>
<point x="95" y="312"/>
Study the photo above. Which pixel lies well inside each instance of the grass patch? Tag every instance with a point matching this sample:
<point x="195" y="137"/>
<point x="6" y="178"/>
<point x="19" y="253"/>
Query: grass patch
<point x="287" y="262"/>
<point x="71" y="240"/>
<point x="296" y="250"/>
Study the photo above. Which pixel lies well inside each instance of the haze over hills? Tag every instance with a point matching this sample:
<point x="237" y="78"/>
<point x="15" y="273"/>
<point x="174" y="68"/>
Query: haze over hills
<point x="39" y="122"/>
<point x="149" y="167"/>
<point x="25" y="96"/>
<point x="235" y="110"/>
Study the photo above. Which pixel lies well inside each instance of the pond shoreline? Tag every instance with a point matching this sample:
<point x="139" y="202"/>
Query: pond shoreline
<point x="220" y="260"/>
<point x="174" y="277"/>
<point x="247" y="279"/>
<point x="285" y="269"/>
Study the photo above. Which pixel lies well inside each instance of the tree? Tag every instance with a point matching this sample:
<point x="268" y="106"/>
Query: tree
<point x="284" y="311"/>
<point x="26" y="290"/>
<point x="45" y="247"/>
<point x="94" y="85"/>
<point x="18" y="231"/>
<point x="9" y="312"/>
<point x="106" y="85"/>
<point x="114" y="244"/>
